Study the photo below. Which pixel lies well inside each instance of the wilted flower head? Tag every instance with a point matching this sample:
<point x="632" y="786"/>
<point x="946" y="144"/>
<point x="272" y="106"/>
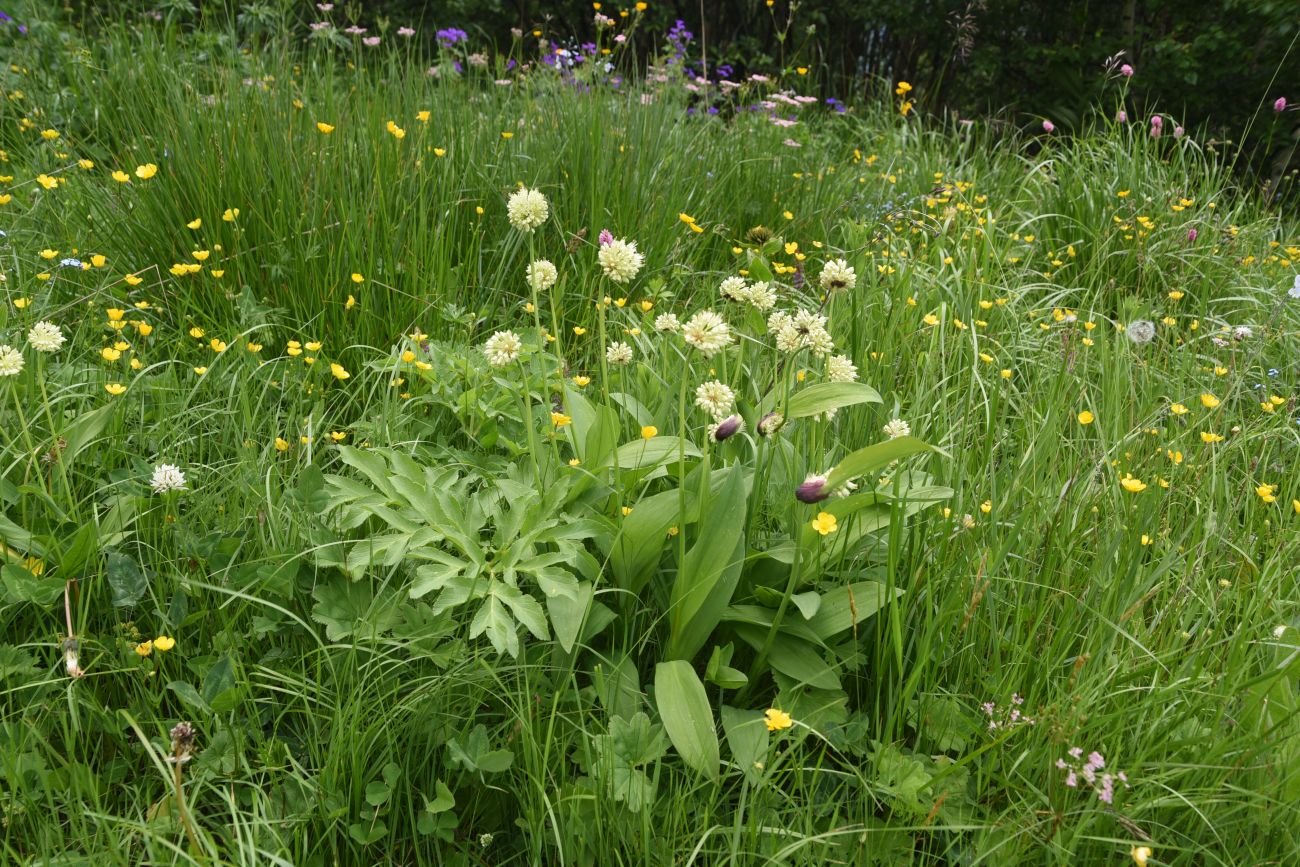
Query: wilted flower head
<point x="837" y="274"/>
<point x="1141" y="331"/>
<point x="167" y="477"/>
<point x="541" y="275"/>
<point x="715" y="398"/>
<point x="527" y="209"/>
<point x="618" y="353"/>
<point x="183" y="735"/>
<point x="620" y="260"/>
<point x="45" y="337"/>
<point x="70" y="657"/>
<point x="502" y="348"/>
<point x="1242" y="332"/>
<point x="707" y="332"/>
<point x="11" y="361"/>
<point x="771" y="423"/>
<point x="726" y="428"/>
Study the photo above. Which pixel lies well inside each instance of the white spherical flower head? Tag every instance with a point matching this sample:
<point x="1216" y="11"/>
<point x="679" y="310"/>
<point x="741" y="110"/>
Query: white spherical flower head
<point x="707" y="332"/>
<point x="167" y="477"/>
<point x="619" y="260"/>
<point x="618" y="353"/>
<point x="11" y="361"/>
<point x="804" y="329"/>
<point x="541" y="275"/>
<point x="667" y="322"/>
<point x="45" y="337"/>
<point x="762" y="296"/>
<point x="715" y="398"/>
<point x="502" y="348"/>
<point x="527" y="209"/>
<point x="1141" y="331"/>
<point x="896" y="428"/>
<point x="733" y="289"/>
<point x="839" y="368"/>
<point x="837" y="275"/>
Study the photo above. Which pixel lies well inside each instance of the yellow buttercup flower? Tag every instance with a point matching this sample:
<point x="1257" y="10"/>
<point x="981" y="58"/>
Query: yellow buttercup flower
<point x="324" y="127"/>
<point x="581" y="381"/>
<point x="110" y="354"/>
<point x="281" y="444"/>
<point x="164" y="643"/>
<point x="1267" y="493"/>
<point x="1209" y="437"/>
<point x="649" y="432"/>
<point x="121" y="177"/>
<point x="825" y="523"/>
<point x="559" y="419"/>
<point x="132" y="280"/>
<point x="1086" y="417"/>
<point x="115" y="388"/>
<point x="1132" y="485"/>
<point x="146" y="171"/>
<point x="1209" y="401"/>
<point x="776" y="720"/>
<point x="230" y="214"/>
<point x="339" y="371"/>
<point x="144" y="648"/>
<point x="195" y="223"/>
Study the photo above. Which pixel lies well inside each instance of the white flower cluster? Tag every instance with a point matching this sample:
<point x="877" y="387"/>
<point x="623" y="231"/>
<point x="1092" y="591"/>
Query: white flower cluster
<point x="761" y="295"/>
<point x="707" y="332"/>
<point x="167" y="477"/>
<point x="804" y="329"/>
<point x="620" y="260"/>
<point x="896" y="428"/>
<point x="837" y="275"/>
<point x="502" y="348"/>
<point x="715" y="398"/>
<point x="45" y="337"/>
<point x="527" y="209"/>
<point x="541" y="275"/>
<point x="840" y="368"/>
<point x="11" y="361"/>
<point x="667" y="322"/>
<point x="618" y="353"/>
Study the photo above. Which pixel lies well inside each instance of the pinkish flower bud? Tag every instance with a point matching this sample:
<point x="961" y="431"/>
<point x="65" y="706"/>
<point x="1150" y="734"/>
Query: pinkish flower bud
<point x="1178" y="132"/>
<point x="1280" y="104"/>
<point x="606" y="237"/>
<point x="1157" y="121"/>
<point x="1126" y="71"/>
<point x="813" y="490"/>
<point x="1048" y="126"/>
<point x="1191" y="236"/>
<point x="1121" y="116"/>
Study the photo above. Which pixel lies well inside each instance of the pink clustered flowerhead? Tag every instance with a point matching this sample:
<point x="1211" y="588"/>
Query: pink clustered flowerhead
<point x="606" y="237"/>
<point x="1009" y="717"/>
<point x="1279" y="104"/>
<point x="1157" y="123"/>
<point x="1191" y="236"/>
<point x="1126" y="70"/>
<point x="1092" y="772"/>
<point x="1121" y="116"/>
<point x="1048" y="126"/>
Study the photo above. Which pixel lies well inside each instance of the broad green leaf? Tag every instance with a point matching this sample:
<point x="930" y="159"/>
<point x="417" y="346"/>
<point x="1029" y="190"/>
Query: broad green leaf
<point x="747" y="736"/>
<point x="825" y="396"/>
<point x="686" y="715"/>
<point x="189" y="696"/>
<point x="22" y="586"/>
<point x="844" y="606"/>
<point x="711" y="569"/>
<point x="84" y="429"/>
<point x="872" y="458"/>
<point x="126" y="580"/>
<point x="568" y="613"/>
<point x="641" y="454"/>
<point x="793" y="657"/>
<point x="639" y="547"/>
<point x="78" y="553"/>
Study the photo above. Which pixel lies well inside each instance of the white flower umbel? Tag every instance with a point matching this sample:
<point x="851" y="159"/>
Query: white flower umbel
<point x="502" y="348"/>
<point x="45" y="337"/>
<point x="527" y="209"/>
<point x="541" y="275"/>
<point x="167" y="477"/>
<point x="733" y="289"/>
<point x="761" y="295"/>
<point x="839" y="368"/>
<point x="667" y="322"/>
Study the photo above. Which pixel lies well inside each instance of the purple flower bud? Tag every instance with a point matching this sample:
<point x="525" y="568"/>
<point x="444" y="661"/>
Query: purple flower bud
<point x="1280" y="104"/>
<point x="813" y="489"/>
<point x="606" y="237"/>
<point x="1191" y="236"/>
<point x="728" y="427"/>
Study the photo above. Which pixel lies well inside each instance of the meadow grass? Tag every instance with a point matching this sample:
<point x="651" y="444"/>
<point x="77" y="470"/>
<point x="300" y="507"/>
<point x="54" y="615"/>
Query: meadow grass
<point x="341" y="721"/>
